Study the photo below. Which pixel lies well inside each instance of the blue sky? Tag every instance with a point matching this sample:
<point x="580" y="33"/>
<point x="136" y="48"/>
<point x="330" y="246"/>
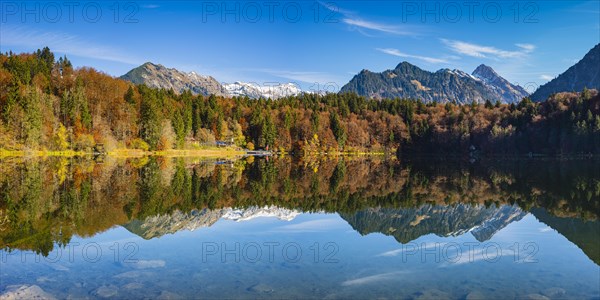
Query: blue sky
<point x="308" y="42"/>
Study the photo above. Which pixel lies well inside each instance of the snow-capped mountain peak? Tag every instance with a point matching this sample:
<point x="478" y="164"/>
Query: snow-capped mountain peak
<point x="250" y="213"/>
<point x="267" y="90"/>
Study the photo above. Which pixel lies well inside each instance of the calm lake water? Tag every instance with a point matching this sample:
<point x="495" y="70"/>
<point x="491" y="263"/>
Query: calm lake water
<point x="283" y="228"/>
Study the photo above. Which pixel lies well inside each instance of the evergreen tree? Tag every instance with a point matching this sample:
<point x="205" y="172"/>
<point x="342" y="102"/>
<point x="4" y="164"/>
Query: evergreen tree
<point x="338" y="130"/>
<point x="150" y="121"/>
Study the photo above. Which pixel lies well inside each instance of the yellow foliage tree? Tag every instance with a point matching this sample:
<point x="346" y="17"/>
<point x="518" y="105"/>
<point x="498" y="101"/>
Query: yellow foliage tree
<point x="61" y="139"/>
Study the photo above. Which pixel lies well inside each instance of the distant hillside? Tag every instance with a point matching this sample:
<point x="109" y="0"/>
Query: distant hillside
<point x="445" y="85"/>
<point x="585" y="73"/>
<point x="159" y="76"/>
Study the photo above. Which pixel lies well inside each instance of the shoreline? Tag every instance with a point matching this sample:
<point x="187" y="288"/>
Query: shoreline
<point x="232" y="152"/>
<point x="126" y="153"/>
<point x="211" y="153"/>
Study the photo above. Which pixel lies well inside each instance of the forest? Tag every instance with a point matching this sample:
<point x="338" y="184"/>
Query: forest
<point x="48" y="105"/>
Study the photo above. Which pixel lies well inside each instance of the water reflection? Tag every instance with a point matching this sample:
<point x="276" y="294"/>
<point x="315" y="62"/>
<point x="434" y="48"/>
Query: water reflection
<point x="48" y="205"/>
<point x="408" y="224"/>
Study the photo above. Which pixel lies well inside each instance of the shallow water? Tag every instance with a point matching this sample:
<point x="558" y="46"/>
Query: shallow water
<point x="300" y="229"/>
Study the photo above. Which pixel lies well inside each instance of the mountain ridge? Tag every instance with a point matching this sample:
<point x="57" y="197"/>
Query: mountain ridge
<point x="581" y="75"/>
<point x="445" y="85"/>
<point x="159" y="225"/>
<point x="408" y="224"/>
<point x="255" y="91"/>
<point x="159" y="76"/>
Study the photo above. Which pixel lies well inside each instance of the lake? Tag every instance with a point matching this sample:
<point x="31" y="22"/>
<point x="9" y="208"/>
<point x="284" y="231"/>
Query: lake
<point x="321" y="227"/>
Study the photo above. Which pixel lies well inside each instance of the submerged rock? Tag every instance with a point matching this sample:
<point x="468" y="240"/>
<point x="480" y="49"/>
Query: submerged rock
<point x="166" y="295"/>
<point x="260" y="288"/>
<point x="45" y="279"/>
<point x="24" y="292"/>
<point x="147" y="264"/>
<point x="475" y="295"/>
<point x="105" y="291"/>
<point x="554" y="292"/>
<point x="535" y="297"/>
<point x="433" y="294"/>
<point x="133" y="286"/>
<point x="132" y="275"/>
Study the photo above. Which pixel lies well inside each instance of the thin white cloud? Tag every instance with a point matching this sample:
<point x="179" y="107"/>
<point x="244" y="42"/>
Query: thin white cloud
<point x="334" y="8"/>
<point x="364" y="24"/>
<point x="373" y="278"/>
<point x="150" y="6"/>
<point x="391" y="252"/>
<point x="485" y="254"/>
<point x="396" y="52"/>
<point x="421" y="247"/>
<point x="546" y="77"/>
<point x="62" y="43"/>
<point x="526" y="47"/>
<point x="480" y="51"/>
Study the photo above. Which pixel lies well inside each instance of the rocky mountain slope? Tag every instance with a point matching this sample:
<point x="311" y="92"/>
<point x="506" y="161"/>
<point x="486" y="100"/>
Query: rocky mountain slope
<point x="445" y="85"/>
<point x="409" y="224"/>
<point x="159" y="76"/>
<point x="585" y="73"/>
<point x="157" y="226"/>
<point x="510" y="93"/>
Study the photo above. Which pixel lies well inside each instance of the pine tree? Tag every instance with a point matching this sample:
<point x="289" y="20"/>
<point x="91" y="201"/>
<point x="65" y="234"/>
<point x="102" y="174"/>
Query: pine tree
<point x="488" y="104"/>
<point x="314" y="121"/>
<point x="129" y="96"/>
<point x="150" y="121"/>
<point x="32" y="107"/>
<point x="338" y="130"/>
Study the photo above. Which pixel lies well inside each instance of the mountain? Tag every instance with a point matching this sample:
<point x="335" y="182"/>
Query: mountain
<point x="157" y="226"/>
<point x="408" y="224"/>
<point x="256" y="91"/>
<point x="510" y="93"/>
<point x="159" y="76"/>
<point x="409" y="81"/>
<point x="585" y="73"/>
<point x="250" y="213"/>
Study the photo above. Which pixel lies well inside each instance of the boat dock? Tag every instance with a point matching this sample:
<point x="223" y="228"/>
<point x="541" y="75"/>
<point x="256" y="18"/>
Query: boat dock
<point x="259" y="153"/>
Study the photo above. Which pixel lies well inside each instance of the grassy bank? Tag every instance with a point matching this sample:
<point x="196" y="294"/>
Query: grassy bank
<point x="41" y="153"/>
<point x="209" y="152"/>
<point x="190" y="152"/>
